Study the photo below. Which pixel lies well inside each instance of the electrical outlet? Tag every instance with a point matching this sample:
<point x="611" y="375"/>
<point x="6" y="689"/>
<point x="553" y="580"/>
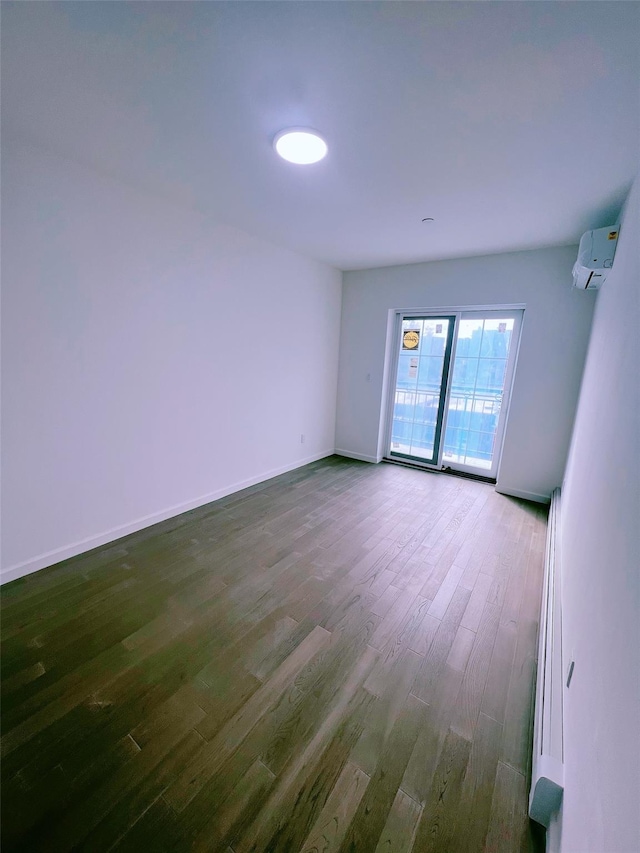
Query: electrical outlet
<point x="301" y="438"/>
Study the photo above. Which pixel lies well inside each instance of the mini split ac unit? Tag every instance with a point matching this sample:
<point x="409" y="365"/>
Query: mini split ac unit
<point x="595" y="257"/>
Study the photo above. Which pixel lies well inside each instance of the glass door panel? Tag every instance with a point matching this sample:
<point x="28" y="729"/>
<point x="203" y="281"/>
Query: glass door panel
<point x="448" y="411"/>
<point x="479" y="376"/>
<point x="419" y="394"/>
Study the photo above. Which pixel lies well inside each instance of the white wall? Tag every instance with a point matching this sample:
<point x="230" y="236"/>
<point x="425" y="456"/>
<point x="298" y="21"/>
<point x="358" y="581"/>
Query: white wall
<point x="554" y="340"/>
<point x="601" y="572"/>
<point x="152" y="359"/>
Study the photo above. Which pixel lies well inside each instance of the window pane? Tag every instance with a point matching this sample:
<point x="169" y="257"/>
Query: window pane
<point x="490" y="379"/>
<point x="430" y="373"/>
<point x="496" y="338"/>
<point x="426" y="410"/>
<point x="422" y="441"/>
<point x="464" y="374"/>
<point x="477" y="387"/>
<point x="469" y="337"/>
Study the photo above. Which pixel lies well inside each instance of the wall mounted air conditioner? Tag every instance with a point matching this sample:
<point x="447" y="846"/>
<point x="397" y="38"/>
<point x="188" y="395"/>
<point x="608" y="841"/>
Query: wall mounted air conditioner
<point x="595" y="257"/>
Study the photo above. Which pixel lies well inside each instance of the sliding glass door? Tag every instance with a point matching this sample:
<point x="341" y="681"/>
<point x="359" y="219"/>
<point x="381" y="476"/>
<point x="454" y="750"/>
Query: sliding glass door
<point x="453" y="377"/>
<point x="421" y="376"/>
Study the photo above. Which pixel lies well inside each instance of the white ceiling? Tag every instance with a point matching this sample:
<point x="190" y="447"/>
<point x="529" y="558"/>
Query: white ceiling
<point x="515" y="125"/>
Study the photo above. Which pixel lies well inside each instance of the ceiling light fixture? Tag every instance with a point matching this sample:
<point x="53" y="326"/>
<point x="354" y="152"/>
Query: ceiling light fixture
<point x="300" y="145"/>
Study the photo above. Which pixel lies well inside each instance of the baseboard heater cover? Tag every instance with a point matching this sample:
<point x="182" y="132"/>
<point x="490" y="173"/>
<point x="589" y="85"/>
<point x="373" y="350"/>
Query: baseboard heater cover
<point x="547" y="774"/>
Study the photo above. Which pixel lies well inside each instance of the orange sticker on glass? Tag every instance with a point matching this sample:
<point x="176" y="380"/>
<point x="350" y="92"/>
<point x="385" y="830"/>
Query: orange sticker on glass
<point x="410" y="339"/>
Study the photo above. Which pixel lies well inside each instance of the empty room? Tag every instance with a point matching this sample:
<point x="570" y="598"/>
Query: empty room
<point x="320" y="426"/>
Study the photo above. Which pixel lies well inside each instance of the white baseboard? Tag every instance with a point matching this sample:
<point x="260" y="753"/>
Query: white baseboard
<point x="527" y="496"/>
<point x="547" y="765"/>
<point x="362" y="457"/>
<point x="50" y="558"/>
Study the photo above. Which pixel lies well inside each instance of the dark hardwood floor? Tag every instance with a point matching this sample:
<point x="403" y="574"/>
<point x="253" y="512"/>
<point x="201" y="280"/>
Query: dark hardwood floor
<point x="341" y="659"/>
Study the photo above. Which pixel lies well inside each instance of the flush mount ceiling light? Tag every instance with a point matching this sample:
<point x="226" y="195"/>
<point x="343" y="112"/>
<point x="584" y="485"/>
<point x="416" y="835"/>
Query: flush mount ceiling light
<point x="300" y="145"/>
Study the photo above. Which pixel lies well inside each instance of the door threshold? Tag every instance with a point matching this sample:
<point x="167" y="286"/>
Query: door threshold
<point x="416" y="467"/>
<point x="469" y="476"/>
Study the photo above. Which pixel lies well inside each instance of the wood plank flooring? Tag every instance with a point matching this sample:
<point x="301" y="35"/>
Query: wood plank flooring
<point x="340" y="659"/>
